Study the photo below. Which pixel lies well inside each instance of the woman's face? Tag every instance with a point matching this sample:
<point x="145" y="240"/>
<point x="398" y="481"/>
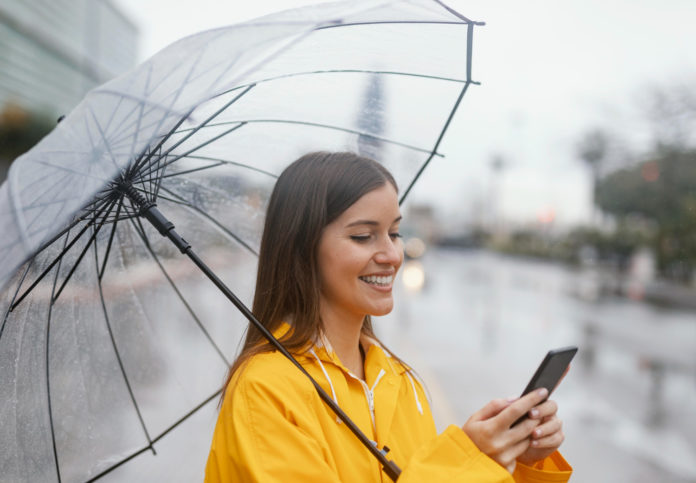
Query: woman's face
<point x="359" y="255"/>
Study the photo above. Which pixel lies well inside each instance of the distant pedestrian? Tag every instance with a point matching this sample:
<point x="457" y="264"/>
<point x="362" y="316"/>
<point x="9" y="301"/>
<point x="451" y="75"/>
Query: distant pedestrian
<point x="329" y="254"/>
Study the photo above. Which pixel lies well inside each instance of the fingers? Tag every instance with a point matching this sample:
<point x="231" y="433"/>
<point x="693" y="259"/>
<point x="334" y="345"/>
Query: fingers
<point x="548" y="435"/>
<point x="523" y="430"/>
<point x="544" y="410"/>
<point x="522" y="405"/>
<point x="552" y="441"/>
<point x="492" y="409"/>
<point x="508" y="458"/>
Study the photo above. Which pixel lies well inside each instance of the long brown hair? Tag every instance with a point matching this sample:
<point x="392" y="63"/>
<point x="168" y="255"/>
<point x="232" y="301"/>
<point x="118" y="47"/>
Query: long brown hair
<point x="309" y="194"/>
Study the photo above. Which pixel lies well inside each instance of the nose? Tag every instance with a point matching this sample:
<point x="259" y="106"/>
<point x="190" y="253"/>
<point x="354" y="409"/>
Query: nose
<point x="390" y="252"/>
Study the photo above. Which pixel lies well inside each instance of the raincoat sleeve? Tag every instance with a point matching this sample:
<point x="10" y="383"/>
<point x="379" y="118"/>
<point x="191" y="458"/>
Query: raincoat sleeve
<point x="552" y="469"/>
<point x="452" y="456"/>
<point x="259" y="436"/>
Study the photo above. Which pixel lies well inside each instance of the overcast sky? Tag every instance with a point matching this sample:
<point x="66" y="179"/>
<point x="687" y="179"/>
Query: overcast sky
<point x="549" y="71"/>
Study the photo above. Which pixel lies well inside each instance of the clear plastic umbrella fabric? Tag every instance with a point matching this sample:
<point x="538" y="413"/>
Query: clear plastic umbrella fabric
<point x="109" y="338"/>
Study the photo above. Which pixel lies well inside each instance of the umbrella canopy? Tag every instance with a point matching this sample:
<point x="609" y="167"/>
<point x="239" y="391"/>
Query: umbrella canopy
<point x="108" y="337"/>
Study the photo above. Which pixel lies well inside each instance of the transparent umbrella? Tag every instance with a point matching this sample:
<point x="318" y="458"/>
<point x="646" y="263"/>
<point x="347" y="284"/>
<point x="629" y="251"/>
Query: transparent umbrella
<point x="109" y="337"/>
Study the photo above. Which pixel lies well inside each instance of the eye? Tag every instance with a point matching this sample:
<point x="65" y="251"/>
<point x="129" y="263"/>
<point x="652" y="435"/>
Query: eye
<point x="360" y="238"/>
<point x="395" y="235"/>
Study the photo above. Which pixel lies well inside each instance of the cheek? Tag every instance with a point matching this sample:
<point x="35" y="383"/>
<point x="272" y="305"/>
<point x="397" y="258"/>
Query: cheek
<point x="341" y="263"/>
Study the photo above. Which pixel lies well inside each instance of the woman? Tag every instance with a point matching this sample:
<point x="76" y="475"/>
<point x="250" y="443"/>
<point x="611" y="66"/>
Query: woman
<point x="329" y="254"/>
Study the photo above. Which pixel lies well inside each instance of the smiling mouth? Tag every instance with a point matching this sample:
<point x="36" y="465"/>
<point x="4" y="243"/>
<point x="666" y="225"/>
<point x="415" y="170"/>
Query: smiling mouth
<point x="378" y="281"/>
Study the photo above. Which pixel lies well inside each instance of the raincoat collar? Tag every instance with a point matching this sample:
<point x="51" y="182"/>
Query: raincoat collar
<point x="376" y="356"/>
<point x="383" y="375"/>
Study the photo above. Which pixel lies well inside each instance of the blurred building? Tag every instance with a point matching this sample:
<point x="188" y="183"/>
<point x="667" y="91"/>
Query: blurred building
<point x="53" y="52"/>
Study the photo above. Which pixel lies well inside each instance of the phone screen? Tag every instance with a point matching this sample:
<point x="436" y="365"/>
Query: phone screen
<point x="550" y="371"/>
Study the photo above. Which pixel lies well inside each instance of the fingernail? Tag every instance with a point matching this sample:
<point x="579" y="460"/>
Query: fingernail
<point x="537" y="432"/>
<point x="534" y="413"/>
<point x="543" y="392"/>
<point x="535" y="443"/>
<point x="512" y="399"/>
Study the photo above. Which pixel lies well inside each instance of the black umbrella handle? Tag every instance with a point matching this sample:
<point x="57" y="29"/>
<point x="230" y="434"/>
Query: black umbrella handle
<point x="148" y="209"/>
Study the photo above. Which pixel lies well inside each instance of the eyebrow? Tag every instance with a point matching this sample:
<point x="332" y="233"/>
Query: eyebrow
<point x="370" y="222"/>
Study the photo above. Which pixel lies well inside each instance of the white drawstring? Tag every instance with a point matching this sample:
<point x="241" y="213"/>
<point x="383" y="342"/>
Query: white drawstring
<point x="408" y="374"/>
<point x="379" y="376"/>
<point x="415" y="393"/>
<point x="323" y="369"/>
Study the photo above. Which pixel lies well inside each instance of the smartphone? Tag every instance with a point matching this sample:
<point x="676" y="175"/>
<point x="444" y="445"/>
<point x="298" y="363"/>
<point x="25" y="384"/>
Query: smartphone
<point x="550" y="372"/>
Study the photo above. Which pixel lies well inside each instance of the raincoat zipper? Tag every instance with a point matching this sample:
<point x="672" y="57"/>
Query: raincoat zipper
<point x="370" y="395"/>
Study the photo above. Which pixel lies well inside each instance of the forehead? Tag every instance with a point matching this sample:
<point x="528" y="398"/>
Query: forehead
<point x="381" y="204"/>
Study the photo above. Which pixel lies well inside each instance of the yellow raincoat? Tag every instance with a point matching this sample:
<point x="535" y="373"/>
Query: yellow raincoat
<point x="273" y="426"/>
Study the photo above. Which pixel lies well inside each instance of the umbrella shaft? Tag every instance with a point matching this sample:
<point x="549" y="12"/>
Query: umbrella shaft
<point x="149" y="211"/>
<point x="389" y="466"/>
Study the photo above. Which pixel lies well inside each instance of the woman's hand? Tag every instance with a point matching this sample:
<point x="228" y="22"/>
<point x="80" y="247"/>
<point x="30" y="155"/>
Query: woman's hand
<point x="547" y="437"/>
<point x="489" y="428"/>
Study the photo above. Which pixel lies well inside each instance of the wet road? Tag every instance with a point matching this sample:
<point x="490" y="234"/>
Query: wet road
<point x="477" y="331"/>
<point x="483" y="322"/>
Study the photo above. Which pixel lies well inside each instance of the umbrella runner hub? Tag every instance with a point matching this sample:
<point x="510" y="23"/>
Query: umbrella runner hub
<point x="148" y="209"/>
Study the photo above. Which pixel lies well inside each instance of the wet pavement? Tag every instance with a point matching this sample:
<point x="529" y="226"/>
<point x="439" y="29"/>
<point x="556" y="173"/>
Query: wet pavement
<point x="478" y="329"/>
<point x="482" y="323"/>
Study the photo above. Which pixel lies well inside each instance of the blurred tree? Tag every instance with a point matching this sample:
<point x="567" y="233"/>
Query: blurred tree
<point x="671" y="114"/>
<point x="661" y="189"/>
<point x="19" y="131"/>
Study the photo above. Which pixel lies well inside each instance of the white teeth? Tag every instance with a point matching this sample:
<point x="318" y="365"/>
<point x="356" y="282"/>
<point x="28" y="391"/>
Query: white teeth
<point x="373" y="279"/>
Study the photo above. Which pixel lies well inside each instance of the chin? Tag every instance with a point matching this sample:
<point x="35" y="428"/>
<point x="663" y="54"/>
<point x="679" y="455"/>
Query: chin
<point x="384" y="310"/>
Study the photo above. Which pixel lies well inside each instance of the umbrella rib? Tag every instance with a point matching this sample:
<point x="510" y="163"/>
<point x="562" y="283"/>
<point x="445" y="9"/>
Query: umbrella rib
<point x="84" y="250"/>
<point x="182" y="201"/>
<point x="111" y="239"/>
<point x="398" y="22"/>
<point x="139" y="119"/>
<point x="48" y="378"/>
<point x="345" y="71"/>
<point x="194" y="170"/>
<point x="118" y="354"/>
<point x="44" y="194"/>
<point x="160" y="105"/>
<point x="177" y="157"/>
<point x="139" y="165"/>
<point x="66" y="248"/>
<point x="146" y="155"/>
<point x="63" y="168"/>
<point x="59" y="234"/>
<point x="219" y="162"/>
<point x="39" y="179"/>
<point x="210" y="118"/>
<point x="143" y="103"/>
<point x="470" y="34"/>
<point x="156" y="439"/>
<point x="351" y="131"/>
<point x="194" y="131"/>
<point x="145" y="240"/>
<point x="19" y="285"/>
<point x="326" y="126"/>
<point x="48" y="203"/>
<point x="103" y="137"/>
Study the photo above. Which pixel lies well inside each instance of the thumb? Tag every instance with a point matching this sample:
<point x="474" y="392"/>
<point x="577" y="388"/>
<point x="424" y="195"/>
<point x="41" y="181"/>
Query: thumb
<point x="492" y="409"/>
